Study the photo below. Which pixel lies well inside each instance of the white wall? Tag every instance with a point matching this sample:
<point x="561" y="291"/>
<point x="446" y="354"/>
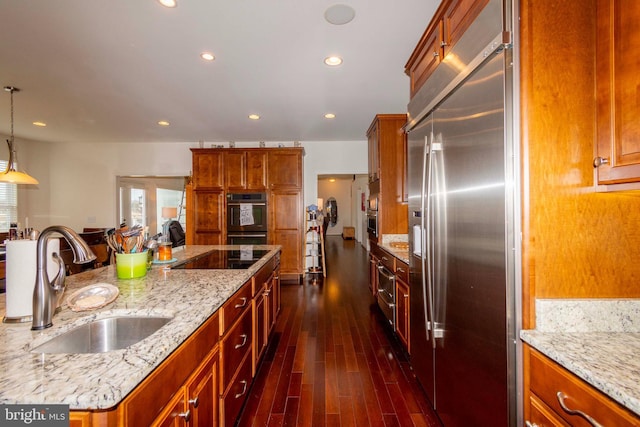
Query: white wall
<point x="331" y="157"/>
<point x="77" y="180"/>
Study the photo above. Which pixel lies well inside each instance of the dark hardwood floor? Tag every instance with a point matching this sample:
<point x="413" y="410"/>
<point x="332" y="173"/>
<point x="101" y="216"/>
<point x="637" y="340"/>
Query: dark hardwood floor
<point x="332" y="360"/>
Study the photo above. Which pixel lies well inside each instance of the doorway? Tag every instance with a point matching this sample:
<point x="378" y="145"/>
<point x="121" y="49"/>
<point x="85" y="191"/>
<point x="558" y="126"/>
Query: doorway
<point x="349" y="191"/>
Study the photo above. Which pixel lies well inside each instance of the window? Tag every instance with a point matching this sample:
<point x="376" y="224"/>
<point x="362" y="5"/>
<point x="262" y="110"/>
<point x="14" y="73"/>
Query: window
<point x="8" y="202"/>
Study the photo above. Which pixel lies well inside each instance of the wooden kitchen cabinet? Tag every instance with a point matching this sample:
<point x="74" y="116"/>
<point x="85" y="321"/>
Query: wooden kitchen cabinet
<point x="387" y="144"/>
<point x="207" y="169"/>
<point x="617" y="82"/>
<point x="189" y="372"/>
<point x="209" y="216"/>
<point x="402" y="303"/>
<point x="245" y="169"/>
<point x="449" y="23"/>
<point x="276" y="171"/>
<point x="196" y="404"/>
<point x="548" y="380"/>
<point x="284" y="168"/>
<point x="286" y="218"/>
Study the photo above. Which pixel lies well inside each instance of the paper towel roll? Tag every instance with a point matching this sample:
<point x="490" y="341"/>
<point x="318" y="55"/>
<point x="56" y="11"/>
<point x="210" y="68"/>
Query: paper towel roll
<point x="21" y="274"/>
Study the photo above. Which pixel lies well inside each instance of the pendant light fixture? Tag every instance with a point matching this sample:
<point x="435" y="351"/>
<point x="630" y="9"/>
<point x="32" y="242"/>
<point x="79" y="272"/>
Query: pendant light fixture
<point x="11" y="174"/>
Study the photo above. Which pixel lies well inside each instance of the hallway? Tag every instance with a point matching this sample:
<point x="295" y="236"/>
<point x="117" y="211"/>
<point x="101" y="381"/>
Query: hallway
<point x="332" y="361"/>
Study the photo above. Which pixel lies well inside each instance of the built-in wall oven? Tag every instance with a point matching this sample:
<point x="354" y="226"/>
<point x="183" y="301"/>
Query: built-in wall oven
<point x="247" y="219"/>
<point x="372" y="210"/>
<point x="386" y="295"/>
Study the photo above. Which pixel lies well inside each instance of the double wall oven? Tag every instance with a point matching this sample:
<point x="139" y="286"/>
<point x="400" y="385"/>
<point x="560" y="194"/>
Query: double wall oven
<point x="247" y="219"/>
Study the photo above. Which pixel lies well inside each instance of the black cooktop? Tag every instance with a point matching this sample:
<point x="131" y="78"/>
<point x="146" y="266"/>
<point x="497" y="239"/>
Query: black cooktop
<point x="223" y="259"/>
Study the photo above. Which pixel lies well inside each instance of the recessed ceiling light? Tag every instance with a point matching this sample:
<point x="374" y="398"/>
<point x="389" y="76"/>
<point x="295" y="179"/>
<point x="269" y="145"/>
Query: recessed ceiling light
<point x="168" y="3"/>
<point x="40" y="124"/>
<point x="333" y="61"/>
<point x="329" y="116"/>
<point x="207" y="56"/>
<point x="339" y="14"/>
<point x="254" y="117"/>
<point x="163" y="123"/>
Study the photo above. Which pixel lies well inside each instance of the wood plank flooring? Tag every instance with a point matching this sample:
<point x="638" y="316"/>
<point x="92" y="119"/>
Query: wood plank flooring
<point x="332" y="360"/>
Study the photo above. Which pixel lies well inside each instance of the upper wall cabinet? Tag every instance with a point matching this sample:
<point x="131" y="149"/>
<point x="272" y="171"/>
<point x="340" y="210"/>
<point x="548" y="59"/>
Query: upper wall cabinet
<point x="618" y="92"/>
<point x="449" y="23"/>
<point x="245" y="169"/>
<point x="207" y="169"/>
<point x="285" y="168"/>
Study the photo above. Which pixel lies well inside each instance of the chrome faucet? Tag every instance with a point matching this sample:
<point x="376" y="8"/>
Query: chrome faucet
<point x="45" y="293"/>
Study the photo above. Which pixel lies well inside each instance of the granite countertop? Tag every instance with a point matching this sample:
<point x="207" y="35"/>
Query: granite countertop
<point x="102" y="380"/>
<point x="597" y="340"/>
<point x="389" y="242"/>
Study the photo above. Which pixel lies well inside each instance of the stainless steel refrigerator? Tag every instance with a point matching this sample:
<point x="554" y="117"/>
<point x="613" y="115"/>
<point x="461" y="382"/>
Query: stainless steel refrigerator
<point x="463" y="202"/>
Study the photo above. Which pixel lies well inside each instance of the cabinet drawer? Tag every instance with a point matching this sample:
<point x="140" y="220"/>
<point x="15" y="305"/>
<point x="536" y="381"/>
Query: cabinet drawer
<point x="388" y="260"/>
<point x="235" y="345"/>
<point x="233" y="399"/>
<point x="262" y="277"/>
<point x="236" y="305"/>
<point x="548" y="379"/>
<point x="541" y="416"/>
<point x="402" y="271"/>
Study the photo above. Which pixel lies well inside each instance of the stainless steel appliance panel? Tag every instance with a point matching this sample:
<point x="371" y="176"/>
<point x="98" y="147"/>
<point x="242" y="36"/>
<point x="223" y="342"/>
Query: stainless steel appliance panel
<point x="386" y="295"/>
<point x="462" y="350"/>
<point x="258" y="203"/>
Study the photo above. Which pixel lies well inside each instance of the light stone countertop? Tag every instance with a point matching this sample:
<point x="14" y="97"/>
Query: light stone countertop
<point x="102" y="380"/>
<point x="597" y="340"/>
<point x="387" y="239"/>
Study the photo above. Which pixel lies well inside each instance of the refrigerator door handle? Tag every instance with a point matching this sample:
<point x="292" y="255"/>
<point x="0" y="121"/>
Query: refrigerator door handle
<point x="431" y="147"/>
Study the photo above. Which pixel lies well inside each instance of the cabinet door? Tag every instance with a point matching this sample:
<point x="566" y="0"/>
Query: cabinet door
<point x="617" y="84"/>
<point x="284" y="168"/>
<point x="286" y="229"/>
<point x="174" y="414"/>
<point x="259" y="327"/>
<point x="207" y="169"/>
<point x="256" y="167"/>
<point x="426" y="58"/>
<point x="209" y="211"/>
<point x="373" y="274"/>
<point x="235" y="173"/>
<point x="402" y="312"/>
<point x="374" y="163"/>
<point x="203" y="394"/>
<point x="457" y="18"/>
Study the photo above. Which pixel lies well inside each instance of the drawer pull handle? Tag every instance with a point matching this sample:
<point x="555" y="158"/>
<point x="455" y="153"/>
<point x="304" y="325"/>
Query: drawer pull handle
<point x="195" y="401"/>
<point x="244" y="341"/>
<point x="185" y="415"/>
<point x="244" y="389"/>
<point x="244" y="303"/>
<point x="561" y="397"/>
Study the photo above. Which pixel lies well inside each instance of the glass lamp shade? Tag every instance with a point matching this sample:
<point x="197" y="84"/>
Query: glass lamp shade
<point x="14" y="177"/>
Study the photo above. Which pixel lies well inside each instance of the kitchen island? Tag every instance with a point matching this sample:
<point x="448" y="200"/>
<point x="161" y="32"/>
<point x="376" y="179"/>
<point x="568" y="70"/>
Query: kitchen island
<point x="100" y="381"/>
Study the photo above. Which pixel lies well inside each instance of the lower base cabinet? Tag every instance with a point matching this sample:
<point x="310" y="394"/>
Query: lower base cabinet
<point x="551" y="387"/>
<point x="206" y="380"/>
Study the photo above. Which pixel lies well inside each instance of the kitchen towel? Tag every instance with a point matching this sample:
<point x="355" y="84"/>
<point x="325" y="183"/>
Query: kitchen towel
<point x="21" y="274"/>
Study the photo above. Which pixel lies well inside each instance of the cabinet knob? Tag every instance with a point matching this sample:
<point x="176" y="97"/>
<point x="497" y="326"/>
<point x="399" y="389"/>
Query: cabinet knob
<point x="530" y="424"/>
<point x="185" y="415"/>
<point x="561" y="400"/>
<point x="435" y="54"/>
<point x="195" y="402"/>
<point x="599" y="161"/>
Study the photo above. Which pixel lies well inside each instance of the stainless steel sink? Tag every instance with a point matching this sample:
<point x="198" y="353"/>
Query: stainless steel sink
<point x="99" y="336"/>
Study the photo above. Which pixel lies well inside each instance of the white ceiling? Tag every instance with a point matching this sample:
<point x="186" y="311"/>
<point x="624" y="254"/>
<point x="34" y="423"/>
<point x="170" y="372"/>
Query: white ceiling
<point x="109" y="71"/>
